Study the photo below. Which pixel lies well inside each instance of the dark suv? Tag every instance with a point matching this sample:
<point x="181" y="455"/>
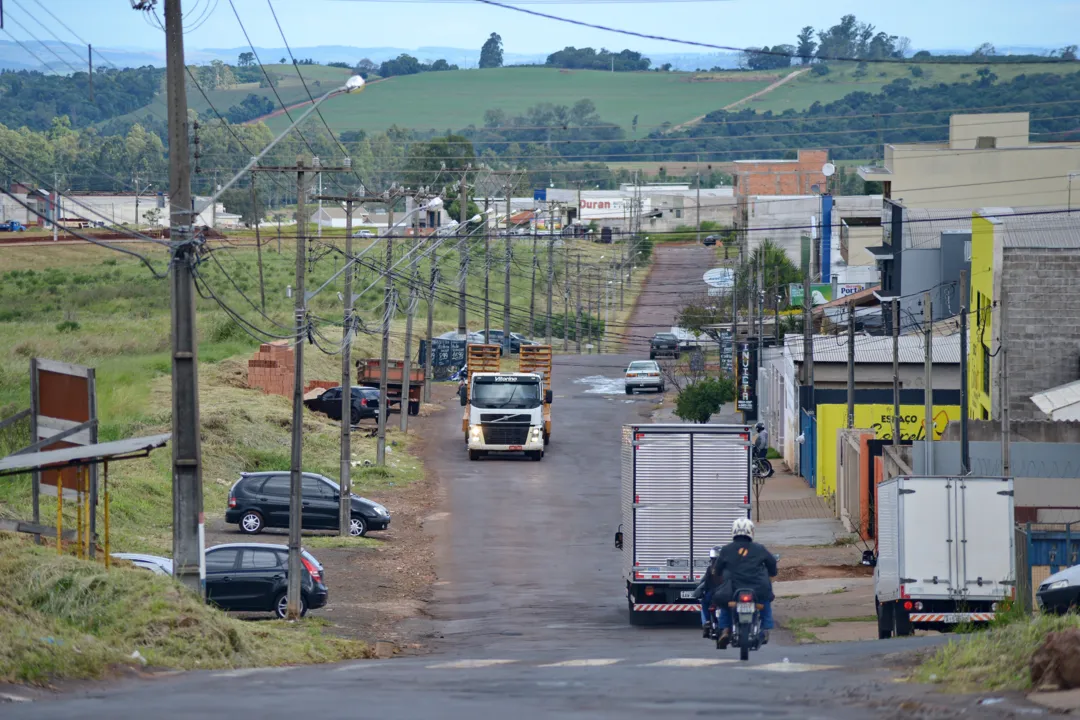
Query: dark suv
<point x="664" y="344"/>
<point x="253" y="577"/>
<point x="710" y="240"/>
<point x="261" y="499"/>
<point x="365" y="403"/>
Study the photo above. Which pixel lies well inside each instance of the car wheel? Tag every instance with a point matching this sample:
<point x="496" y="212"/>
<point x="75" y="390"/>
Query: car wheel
<point x="251" y="523"/>
<point x="357" y="526"/>
<point x="474" y="454"/>
<point x="629" y="391"/>
<point x="281" y="606"/>
<point x="661" y="388"/>
<point x="652" y="356"/>
<point x="354" y="417"/>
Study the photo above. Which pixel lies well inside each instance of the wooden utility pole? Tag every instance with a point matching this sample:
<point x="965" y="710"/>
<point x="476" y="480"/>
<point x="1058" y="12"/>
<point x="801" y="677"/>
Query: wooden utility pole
<point x="566" y="299"/>
<point x="550" y="286"/>
<point x="432" y="282"/>
<point x="187" y="491"/>
<point x="506" y="297"/>
<point x="808" y="339"/>
<point x="487" y="277"/>
<point x="410" y="310"/>
<point x="532" y="290"/>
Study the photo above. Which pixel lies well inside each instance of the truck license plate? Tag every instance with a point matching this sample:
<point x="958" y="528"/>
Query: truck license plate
<point x="687" y="594"/>
<point x="515" y="447"/>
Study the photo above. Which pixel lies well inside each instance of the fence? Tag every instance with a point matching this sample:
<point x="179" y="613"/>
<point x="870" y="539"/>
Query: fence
<point x="1042" y="550"/>
<point x="808" y="453"/>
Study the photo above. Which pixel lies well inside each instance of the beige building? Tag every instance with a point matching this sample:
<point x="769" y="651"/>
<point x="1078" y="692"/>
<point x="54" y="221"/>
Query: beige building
<point x="989" y="160"/>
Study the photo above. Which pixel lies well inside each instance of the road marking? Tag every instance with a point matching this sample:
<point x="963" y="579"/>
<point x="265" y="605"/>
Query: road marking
<point x="587" y="662"/>
<point x="689" y="662"/>
<point x="790" y="667"/>
<point x="465" y="664"/>
<point x="364" y="665"/>
<point x="8" y="697"/>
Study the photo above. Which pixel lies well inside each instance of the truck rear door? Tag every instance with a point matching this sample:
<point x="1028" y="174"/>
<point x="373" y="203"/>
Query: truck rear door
<point x="721" y="491"/>
<point x="662" y="506"/>
<point x="927" y="537"/>
<point x="984" y="518"/>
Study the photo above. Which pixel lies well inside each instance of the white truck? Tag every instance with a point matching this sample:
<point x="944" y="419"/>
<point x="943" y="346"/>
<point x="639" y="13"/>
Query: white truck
<point x="682" y="487"/>
<point x="945" y="552"/>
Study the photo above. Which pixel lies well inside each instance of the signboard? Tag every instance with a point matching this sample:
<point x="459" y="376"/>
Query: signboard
<point x="746" y="387"/>
<point x="719" y="278"/>
<point x="62" y="397"/>
<point x="821" y="293"/>
<point x="540" y="194"/>
<point x="726" y="354"/>
<point x="447" y="356"/>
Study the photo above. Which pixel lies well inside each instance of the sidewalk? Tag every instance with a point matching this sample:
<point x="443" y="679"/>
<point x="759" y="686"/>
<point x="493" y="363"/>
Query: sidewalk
<point x="791" y="513"/>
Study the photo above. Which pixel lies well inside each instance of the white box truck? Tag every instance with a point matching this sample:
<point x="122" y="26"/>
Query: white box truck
<point x="682" y="487"/>
<point x="945" y="552"/>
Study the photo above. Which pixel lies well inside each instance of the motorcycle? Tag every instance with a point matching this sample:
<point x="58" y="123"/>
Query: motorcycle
<point x="763" y="468"/>
<point x="746" y="633"/>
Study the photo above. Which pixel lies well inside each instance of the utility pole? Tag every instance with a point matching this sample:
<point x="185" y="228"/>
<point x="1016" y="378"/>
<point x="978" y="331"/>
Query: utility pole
<point x="319" y="227"/>
<point x="1003" y="351"/>
<point x="388" y="304"/>
<point x="808" y="339"/>
<point x="406" y="367"/>
<point x="928" y="383"/>
<point x="577" y="326"/>
<point x="896" y="370"/>
<point x="463" y="207"/>
<point x="851" y="365"/>
<point x="258" y="242"/>
<point x="965" y="459"/>
<point x="550" y="286"/>
<point x="776" y="304"/>
<point x="566" y="299"/>
<point x="698" y="199"/>
<point x="487" y="276"/>
<point x="56" y="191"/>
<point x="589" y="313"/>
<point x="187" y="492"/>
<point x="296" y="464"/>
<point x="506" y="298"/>
<point x="532" y="290"/>
<point x="432" y="281"/>
<point x="345" y="485"/>
<point x="761" y="312"/>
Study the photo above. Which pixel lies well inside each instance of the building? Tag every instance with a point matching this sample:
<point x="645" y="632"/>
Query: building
<point x="105" y="209"/>
<point x="782" y="177"/>
<point x="1024" y="264"/>
<point x="988" y="161"/>
<point x="653" y="207"/>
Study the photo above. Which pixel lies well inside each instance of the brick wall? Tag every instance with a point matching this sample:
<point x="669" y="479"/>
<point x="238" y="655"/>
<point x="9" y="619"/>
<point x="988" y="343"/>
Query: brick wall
<point x="770" y="177"/>
<point x="1043" y="323"/>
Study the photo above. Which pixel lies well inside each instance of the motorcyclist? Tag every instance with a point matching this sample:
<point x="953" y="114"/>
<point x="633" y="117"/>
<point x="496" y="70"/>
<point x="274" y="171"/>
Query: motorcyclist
<point x="744" y="564"/>
<point x="705" y="589"/>
<point x="761" y="442"/>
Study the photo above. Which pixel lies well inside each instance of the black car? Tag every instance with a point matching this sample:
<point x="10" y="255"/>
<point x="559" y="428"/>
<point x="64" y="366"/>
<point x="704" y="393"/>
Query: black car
<point x="516" y="341"/>
<point x="254" y="577"/>
<point x="663" y="344"/>
<point x="710" y="240"/>
<point x="1060" y="593"/>
<point x="365" y="403"/>
<point x="260" y="500"/>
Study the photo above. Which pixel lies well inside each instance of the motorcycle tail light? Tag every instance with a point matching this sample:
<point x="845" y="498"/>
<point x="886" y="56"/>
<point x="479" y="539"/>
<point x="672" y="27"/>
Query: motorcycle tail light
<point x="746" y="598"/>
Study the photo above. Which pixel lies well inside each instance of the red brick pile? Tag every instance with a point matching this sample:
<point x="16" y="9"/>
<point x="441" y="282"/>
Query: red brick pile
<point x="271" y="370"/>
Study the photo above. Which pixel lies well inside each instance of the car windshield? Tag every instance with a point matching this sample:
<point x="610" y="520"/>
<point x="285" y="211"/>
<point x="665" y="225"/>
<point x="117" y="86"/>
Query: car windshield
<point x="515" y="395"/>
<point x="665" y="336"/>
<point x="642" y="366"/>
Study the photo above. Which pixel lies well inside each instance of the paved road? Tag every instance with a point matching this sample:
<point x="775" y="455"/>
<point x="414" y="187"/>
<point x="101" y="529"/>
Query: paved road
<point x="529" y="613"/>
<point x="676" y="272"/>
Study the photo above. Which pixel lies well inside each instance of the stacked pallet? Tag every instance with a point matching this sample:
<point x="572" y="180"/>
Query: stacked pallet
<point x="271" y="370"/>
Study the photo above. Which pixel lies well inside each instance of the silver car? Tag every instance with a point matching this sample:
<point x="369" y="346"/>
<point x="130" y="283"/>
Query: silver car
<point x="644" y="374"/>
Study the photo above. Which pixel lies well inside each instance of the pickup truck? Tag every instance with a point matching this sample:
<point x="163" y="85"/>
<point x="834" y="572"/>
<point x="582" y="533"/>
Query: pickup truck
<point x="12" y="226"/>
<point x="664" y="343"/>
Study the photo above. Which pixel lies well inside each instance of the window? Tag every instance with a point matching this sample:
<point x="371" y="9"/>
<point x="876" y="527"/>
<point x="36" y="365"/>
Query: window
<point x="277" y="485"/>
<point x="678" y="212"/>
<point x="313" y="488"/>
<point x="220" y="560"/>
<point x="259" y="560"/>
<point x="986" y="369"/>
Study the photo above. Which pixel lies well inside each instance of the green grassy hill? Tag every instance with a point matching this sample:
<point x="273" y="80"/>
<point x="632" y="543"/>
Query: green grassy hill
<point x="456" y="99"/>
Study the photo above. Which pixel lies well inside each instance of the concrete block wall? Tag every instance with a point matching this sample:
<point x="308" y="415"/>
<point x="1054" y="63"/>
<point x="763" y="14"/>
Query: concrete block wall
<point x="1042" y="321"/>
<point x="770" y="177"/>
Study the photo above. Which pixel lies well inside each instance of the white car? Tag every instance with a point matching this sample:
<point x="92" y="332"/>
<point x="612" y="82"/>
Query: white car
<point x="644" y="374"/>
<point x="153" y="563"/>
<point x="363" y="234"/>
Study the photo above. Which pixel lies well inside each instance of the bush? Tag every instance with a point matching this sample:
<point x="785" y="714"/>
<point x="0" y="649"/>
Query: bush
<point x="591" y="326"/>
<point x="821" y="69"/>
<point x="224" y="329"/>
<point x="700" y="401"/>
<point x="67" y="326"/>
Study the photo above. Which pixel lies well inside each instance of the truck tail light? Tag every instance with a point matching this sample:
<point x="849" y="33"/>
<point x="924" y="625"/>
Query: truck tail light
<point x="918" y="606"/>
<point x="649" y="591"/>
<point x="908" y="605"/>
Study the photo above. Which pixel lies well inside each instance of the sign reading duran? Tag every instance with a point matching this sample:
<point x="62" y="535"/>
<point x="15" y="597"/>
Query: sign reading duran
<point x="719" y="278"/>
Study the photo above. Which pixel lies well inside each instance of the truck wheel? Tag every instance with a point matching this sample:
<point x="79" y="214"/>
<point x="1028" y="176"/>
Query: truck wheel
<point x="901" y="623"/>
<point x="536" y="455"/>
<point x="547" y="439"/>
<point x="475" y="454"/>
<point x="884" y="620"/>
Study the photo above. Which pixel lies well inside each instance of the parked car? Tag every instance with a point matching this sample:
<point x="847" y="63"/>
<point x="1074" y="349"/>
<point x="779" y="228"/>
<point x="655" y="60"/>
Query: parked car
<point x="254" y="577"/>
<point x="471" y="337"/>
<point x="12" y="226"/>
<point x="363" y="234"/>
<point x="261" y="499"/>
<point x="153" y="563"/>
<point x="365" y="403"/>
<point x="1060" y="593"/>
<point x="664" y="343"/>
<point x="516" y="340"/>
<point x="644" y="374"/>
<point x="710" y="239"/>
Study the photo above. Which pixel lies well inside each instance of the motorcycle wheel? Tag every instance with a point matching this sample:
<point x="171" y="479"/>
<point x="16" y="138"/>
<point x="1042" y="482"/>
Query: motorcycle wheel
<point x="744" y="641"/>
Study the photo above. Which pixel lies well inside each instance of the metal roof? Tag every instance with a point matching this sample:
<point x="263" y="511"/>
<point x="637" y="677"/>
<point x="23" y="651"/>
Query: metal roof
<point x="876" y="349"/>
<point x="923" y="226"/>
<point x="1035" y="228"/>
<point x="1058" y="397"/>
<point x="83" y="454"/>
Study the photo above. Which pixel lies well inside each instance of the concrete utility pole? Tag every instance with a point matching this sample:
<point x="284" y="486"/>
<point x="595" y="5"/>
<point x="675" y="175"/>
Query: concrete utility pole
<point x="345" y="483"/>
<point x="566" y="299"/>
<point x="258" y="242"/>
<point x="928" y="383"/>
<point x="896" y="370"/>
<point x="589" y="313"/>
<point x="187" y="492"/>
<point x="550" y="286"/>
<point x="506" y="297"/>
<point x="1003" y="388"/>
<point x="532" y="290"/>
<point x="406" y="368"/>
<point x="851" y="365"/>
<point x="698" y="201"/>
<point x="296" y="463"/>
<point x="388" y="305"/>
<point x="808" y="339"/>
<point x="432" y="281"/>
<point x="965" y="458"/>
<point x="463" y="207"/>
<point x="487" y="278"/>
<point x="577" y="326"/>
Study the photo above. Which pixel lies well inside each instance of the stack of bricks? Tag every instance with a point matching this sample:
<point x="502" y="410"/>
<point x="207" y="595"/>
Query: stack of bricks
<point x="323" y="384"/>
<point x="271" y="370"/>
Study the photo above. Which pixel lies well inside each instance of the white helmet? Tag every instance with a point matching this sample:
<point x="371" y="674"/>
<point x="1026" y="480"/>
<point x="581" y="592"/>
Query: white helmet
<point x="742" y="526"/>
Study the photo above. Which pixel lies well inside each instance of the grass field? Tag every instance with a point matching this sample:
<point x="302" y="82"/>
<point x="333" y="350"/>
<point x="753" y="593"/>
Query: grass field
<point x="456" y="99"/>
<point x="805" y="90"/>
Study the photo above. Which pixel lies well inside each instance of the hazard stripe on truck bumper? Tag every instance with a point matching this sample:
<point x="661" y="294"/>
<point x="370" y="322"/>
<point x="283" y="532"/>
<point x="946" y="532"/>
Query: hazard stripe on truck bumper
<point x="950" y="617"/>
<point x="660" y="607"/>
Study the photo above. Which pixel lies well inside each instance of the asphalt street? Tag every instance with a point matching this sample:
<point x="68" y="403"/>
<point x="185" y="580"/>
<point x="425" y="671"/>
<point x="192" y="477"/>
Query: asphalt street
<point x="528" y="618"/>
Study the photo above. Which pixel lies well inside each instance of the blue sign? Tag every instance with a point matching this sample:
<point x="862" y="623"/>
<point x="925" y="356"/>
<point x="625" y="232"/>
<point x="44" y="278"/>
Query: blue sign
<point x="540" y="194"/>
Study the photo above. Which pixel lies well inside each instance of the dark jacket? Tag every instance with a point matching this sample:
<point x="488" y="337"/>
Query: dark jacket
<point x="709" y="582"/>
<point x="744" y="563"/>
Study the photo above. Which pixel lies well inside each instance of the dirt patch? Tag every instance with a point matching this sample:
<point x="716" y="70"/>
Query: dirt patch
<point x="730" y="77"/>
<point x="816" y="572"/>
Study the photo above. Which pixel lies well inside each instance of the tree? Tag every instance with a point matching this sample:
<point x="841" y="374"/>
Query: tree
<point x="806" y="47"/>
<point x="774" y="58"/>
<point x="701" y="400"/>
<point x="365" y="67"/>
<point x="984" y="50"/>
<point x="246" y="59"/>
<point x="903" y="47"/>
<point x="152" y="216"/>
<point x="1068" y="52"/>
<point x="491" y="54"/>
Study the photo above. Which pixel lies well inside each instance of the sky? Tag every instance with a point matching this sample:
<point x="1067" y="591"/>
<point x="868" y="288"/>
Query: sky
<point x="942" y="24"/>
